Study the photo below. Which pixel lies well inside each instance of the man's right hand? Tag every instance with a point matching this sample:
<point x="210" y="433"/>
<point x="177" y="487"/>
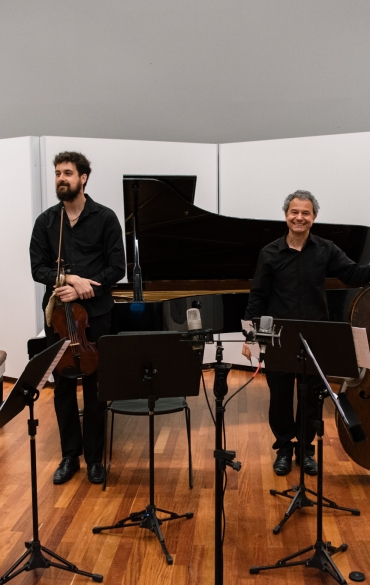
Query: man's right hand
<point x="246" y="351"/>
<point x="82" y="286"/>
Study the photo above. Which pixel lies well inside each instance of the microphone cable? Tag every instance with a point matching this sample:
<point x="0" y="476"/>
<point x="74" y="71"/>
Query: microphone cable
<point x="244" y="385"/>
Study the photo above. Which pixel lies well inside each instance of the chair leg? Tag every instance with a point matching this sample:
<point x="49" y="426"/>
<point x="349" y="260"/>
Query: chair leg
<point x="107" y="467"/>
<point x="188" y="430"/>
<point x="105" y="451"/>
<point x="111" y="439"/>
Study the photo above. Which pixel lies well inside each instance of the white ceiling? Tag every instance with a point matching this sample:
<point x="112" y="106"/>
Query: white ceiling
<point x="184" y="70"/>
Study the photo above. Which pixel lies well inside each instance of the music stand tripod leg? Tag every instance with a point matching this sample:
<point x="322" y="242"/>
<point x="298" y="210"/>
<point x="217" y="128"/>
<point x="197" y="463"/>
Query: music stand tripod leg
<point x="148" y="518"/>
<point x="300" y="499"/>
<point x="323" y="551"/>
<point x="34" y="549"/>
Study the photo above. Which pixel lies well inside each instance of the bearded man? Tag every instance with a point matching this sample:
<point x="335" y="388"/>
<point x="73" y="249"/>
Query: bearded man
<point x="94" y="260"/>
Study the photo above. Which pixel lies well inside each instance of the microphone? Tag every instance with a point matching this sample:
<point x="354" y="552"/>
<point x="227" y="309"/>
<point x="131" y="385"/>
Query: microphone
<point x="194" y="322"/>
<point x="196" y="334"/>
<point x="266" y="324"/>
<point x="265" y="335"/>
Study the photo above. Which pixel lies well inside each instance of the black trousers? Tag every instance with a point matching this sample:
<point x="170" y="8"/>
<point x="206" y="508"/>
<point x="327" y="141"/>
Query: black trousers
<point x="90" y="440"/>
<point x="285" y="426"/>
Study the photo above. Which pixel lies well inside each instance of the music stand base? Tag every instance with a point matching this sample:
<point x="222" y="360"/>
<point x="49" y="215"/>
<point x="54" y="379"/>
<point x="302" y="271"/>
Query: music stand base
<point x="148" y="518"/>
<point x="300" y="500"/>
<point x="321" y="559"/>
<point x="38" y="561"/>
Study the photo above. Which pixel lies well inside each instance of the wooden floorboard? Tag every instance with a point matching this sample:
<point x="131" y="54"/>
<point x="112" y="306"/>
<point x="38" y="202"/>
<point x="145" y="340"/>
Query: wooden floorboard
<point x="67" y="513"/>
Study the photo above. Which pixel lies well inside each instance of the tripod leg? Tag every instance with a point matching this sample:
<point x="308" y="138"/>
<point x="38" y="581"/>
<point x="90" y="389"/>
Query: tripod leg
<point x="321" y="559"/>
<point x="134" y="519"/>
<point x="299" y="501"/>
<point x="38" y="561"/>
<point x="34" y="549"/>
<point x="11" y="573"/>
<point x="174" y="515"/>
<point x="153" y="523"/>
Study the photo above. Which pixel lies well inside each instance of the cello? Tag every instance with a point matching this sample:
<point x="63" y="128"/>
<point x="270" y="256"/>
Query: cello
<point x="70" y="320"/>
<point x="357" y="390"/>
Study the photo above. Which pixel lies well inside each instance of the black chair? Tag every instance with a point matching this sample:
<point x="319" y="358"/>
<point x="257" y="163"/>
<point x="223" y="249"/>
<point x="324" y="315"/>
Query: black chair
<point x="139" y="407"/>
<point x="36" y="345"/>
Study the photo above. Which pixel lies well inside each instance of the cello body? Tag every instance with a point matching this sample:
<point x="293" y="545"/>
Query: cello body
<point x="358" y="390"/>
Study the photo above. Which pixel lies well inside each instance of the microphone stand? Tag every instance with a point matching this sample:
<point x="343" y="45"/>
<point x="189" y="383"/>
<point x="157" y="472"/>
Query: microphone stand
<point x="222" y="458"/>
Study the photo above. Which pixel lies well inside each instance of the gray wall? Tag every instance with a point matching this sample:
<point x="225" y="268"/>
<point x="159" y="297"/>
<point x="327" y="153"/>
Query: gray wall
<point x="184" y="70"/>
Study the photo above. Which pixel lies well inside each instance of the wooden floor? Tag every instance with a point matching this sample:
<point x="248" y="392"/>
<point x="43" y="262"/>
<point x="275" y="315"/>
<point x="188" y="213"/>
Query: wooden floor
<point x="68" y="513"/>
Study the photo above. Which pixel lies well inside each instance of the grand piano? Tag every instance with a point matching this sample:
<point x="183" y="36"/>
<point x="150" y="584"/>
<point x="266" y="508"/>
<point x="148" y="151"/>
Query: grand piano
<point x="180" y="256"/>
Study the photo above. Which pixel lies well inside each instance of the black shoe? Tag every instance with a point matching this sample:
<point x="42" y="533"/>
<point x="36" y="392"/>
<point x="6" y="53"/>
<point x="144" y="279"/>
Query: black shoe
<point x="66" y="470"/>
<point x="310" y="465"/>
<point x="283" y="464"/>
<point x="95" y="472"/>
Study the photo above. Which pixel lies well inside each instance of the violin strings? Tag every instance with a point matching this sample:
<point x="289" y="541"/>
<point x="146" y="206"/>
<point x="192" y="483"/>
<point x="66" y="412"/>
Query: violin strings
<point x="71" y="327"/>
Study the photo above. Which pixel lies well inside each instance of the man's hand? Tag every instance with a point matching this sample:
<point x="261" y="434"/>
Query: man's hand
<point x="67" y="294"/>
<point x="246" y="351"/>
<point x="82" y="286"/>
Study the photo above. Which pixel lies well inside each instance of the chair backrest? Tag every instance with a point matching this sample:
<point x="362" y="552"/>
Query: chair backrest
<point x="36" y="345"/>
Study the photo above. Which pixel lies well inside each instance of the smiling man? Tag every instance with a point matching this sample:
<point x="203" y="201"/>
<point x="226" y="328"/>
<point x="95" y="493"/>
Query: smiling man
<point x="95" y="259"/>
<point x="289" y="283"/>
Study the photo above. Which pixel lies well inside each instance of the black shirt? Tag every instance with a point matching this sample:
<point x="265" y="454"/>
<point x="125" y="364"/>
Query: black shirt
<point x="290" y="284"/>
<point x="92" y="249"/>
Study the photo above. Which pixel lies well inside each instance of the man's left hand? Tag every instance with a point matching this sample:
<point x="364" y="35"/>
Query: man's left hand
<point x="83" y="286"/>
<point x="67" y="294"/>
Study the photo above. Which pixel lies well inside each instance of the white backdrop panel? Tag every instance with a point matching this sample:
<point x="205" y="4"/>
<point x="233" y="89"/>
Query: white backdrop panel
<point x="20" y="204"/>
<point x="111" y="159"/>
<point x="255" y="177"/>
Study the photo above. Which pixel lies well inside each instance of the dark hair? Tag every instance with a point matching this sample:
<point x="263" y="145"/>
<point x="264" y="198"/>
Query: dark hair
<point x="82" y="164"/>
<point x="303" y="196"/>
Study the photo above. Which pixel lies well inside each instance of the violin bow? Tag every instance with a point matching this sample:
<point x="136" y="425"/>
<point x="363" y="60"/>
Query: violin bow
<point x="60" y="246"/>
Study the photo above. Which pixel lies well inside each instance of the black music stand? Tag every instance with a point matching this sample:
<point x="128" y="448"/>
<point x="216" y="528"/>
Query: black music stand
<point x="328" y="340"/>
<point x="147" y="365"/>
<point x="25" y="393"/>
<point x="334" y="343"/>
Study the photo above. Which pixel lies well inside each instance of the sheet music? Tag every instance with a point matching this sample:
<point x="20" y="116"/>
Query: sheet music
<point x="361" y="347"/>
<point x="53" y="364"/>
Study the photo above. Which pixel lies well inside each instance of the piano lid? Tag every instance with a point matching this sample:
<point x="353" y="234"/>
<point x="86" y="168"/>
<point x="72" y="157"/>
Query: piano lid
<point x="179" y="241"/>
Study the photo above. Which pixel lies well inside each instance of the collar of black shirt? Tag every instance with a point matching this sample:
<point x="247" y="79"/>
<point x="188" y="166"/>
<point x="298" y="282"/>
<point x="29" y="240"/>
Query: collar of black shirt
<point x="90" y="206"/>
<point x="282" y="245"/>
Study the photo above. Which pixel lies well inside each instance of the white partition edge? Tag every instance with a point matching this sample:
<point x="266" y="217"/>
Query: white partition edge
<point x="21" y="202"/>
<point x="255" y="177"/>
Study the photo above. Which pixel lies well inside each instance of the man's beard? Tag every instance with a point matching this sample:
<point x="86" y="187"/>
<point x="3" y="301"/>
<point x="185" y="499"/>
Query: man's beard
<point x="68" y="194"/>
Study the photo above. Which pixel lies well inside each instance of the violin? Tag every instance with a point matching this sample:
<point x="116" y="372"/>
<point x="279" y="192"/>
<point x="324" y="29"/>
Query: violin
<point x="81" y="357"/>
<point x="358" y="390"/>
<point x="70" y="320"/>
